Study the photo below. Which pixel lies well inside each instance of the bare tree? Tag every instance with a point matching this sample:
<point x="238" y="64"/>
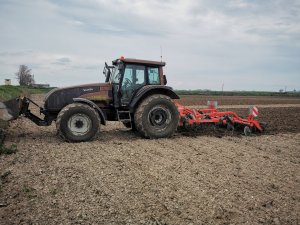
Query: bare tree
<point x="24" y="76"/>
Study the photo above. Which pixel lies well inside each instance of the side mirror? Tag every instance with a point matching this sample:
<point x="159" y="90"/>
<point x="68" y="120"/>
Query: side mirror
<point x="165" y="79"/>
<point x="105" y="69"/>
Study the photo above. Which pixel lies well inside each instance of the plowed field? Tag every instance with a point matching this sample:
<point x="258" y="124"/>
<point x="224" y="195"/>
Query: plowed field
<point x="120" y="178"/>
<point x="238" y="100"/>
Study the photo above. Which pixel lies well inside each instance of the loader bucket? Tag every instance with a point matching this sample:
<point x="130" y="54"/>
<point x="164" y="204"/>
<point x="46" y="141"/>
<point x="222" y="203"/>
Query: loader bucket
<point x="10" y="110"/>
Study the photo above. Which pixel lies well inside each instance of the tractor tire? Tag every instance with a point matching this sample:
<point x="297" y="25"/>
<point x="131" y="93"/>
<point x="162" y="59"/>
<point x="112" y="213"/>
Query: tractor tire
<point x="77" y="122"/>
<point x="156" y="117"/>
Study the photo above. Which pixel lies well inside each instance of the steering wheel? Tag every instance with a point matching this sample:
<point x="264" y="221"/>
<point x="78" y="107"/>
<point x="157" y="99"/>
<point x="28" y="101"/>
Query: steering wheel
<point x="127" y="82"/>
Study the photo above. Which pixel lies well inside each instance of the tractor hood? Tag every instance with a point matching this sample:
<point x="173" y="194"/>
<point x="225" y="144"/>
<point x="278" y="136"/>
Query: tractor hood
<point x="58" y="98"/>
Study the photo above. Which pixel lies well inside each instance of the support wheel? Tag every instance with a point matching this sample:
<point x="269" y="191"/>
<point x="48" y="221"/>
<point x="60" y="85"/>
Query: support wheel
<point x="77" y="122"/>
<point x="156" y="117"/>
<point x="247" y="131"/>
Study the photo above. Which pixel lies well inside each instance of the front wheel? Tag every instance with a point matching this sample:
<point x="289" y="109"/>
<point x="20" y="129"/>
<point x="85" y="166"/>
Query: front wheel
<point x="156" y="117"/>
<point x="77" y="122"/>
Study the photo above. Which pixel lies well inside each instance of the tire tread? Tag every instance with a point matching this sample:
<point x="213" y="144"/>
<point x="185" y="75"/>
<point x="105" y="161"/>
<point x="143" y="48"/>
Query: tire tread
<point x="64" y="110"/>
<point x="138" y="117"/>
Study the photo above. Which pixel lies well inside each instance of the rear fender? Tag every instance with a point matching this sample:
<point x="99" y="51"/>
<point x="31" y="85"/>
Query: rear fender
<point x="93" y="105"/>
<point x="146" y="91"/>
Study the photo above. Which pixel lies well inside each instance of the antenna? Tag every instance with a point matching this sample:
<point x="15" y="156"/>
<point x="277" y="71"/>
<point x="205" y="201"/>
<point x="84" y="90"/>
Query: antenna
<point x="160" y="53"/>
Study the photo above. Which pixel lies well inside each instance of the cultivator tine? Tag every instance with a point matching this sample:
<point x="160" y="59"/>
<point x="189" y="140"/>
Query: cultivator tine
<point x="263" y="125"/>
<point x="230" y="123"/>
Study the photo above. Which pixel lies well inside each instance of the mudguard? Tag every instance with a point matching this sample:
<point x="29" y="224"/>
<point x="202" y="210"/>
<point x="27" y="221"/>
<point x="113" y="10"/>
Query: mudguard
<point x="93" y="105"/>
<point x="151" y="90"/>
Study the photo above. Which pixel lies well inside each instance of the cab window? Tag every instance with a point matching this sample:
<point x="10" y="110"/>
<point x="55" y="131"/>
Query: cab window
<point x="133" y="79"/>
<point x="153" y="75"/>
<point x="116" y="75"/>
<point x="134" y="74"/>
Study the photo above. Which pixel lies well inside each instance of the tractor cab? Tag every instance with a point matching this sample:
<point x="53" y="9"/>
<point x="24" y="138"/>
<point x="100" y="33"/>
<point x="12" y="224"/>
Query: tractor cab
<point x="128" y="76"/>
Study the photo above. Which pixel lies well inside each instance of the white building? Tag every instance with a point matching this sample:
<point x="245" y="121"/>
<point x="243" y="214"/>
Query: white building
<point x="7" y="81"/>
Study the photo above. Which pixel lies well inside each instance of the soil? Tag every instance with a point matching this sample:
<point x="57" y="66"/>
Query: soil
<point x="121" y="178"/>
<point x="237" y="100"/>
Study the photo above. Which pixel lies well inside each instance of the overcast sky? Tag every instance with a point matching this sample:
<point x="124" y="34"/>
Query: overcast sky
<point x="247" y="45"/>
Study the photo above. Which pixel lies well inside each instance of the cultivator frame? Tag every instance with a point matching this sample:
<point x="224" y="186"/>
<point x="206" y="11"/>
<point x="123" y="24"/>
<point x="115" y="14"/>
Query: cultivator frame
<point x="211" y="116"/>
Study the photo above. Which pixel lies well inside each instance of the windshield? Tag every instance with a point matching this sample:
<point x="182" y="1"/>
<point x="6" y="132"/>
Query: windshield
<point x="116" y="75"/>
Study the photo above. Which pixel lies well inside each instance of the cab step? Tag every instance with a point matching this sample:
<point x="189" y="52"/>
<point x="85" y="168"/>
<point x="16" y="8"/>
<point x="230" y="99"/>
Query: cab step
<point x="124" y="116"/>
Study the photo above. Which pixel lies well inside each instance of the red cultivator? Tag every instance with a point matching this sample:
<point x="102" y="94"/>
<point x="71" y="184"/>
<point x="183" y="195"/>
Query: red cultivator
<point x="191" y="118"/>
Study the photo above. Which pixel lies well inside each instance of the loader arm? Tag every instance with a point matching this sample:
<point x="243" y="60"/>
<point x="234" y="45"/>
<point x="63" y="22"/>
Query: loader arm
<point x="25" y="102"/>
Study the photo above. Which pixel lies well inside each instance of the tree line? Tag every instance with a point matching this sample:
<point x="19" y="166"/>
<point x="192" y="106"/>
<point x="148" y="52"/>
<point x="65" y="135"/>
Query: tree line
<point x="25" y="76"/>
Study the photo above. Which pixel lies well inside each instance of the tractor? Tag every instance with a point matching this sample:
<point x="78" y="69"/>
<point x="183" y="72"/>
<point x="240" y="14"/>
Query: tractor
<point x="134" y="93"/>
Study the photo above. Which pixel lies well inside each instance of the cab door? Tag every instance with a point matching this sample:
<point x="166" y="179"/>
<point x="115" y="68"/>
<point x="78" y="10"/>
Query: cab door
<point x="133" y="79"/>
<point x="116" y="82"/>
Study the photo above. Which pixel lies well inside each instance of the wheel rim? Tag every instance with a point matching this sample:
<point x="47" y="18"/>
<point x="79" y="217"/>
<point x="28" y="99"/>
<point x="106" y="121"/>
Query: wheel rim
<point x="79" y="124"/>
<point x="159" y="117"/>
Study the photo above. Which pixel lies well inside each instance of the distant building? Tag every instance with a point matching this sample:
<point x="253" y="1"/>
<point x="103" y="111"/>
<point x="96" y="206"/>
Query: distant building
<point x="7" y="81"/>
<point x="41" y="85"/>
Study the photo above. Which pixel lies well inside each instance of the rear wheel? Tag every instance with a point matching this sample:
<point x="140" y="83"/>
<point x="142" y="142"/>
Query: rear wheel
<point x="77" y="122"/>
<point x="156" y="117"/>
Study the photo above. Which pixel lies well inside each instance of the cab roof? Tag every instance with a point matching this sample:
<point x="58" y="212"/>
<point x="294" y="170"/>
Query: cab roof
<point x="139" y="61"/>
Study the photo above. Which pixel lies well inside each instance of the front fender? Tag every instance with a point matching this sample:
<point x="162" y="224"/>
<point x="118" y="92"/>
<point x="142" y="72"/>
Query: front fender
<point x="93" y="105"/>
<point x="151" y="90"/>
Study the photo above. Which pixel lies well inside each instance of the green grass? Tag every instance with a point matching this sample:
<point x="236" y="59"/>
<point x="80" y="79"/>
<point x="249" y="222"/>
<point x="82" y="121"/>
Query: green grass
<point x="237" y="93"/>
<point x="9" y="91"/>
<point x="8" y="150"/>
